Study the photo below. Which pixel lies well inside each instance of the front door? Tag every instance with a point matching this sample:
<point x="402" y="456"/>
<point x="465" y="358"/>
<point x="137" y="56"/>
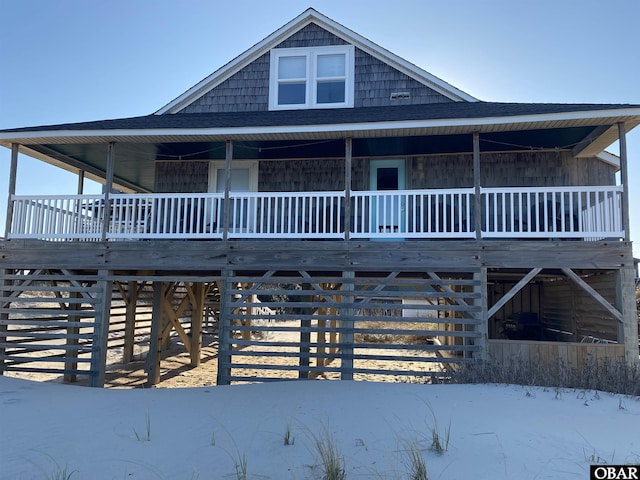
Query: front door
<point x="387" y="210"/>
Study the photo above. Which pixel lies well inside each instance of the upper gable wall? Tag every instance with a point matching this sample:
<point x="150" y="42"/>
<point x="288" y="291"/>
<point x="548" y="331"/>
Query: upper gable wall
<point x="248" y="89"/>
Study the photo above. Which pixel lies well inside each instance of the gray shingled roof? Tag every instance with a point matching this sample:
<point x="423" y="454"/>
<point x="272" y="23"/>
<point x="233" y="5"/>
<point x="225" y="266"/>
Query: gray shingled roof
<point x="438" y="111"/>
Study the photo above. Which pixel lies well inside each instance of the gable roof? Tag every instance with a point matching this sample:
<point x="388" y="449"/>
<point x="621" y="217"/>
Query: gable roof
<point x="305" y="18"/>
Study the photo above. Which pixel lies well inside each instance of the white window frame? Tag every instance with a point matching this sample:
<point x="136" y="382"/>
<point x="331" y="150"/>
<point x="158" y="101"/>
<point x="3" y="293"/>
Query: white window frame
<point x="311" y="54"/>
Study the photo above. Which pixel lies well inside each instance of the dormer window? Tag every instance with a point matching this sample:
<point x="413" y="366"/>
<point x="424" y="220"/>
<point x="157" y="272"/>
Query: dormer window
<point x="317" y="77"/>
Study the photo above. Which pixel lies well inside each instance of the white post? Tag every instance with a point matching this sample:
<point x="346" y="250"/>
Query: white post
<point x="624" y="180"/>
<point x="80" y="182"/>
<point x="108" y="185"/>
<point x="347" y="187"/>
<point x="13" y="172"/>
<point x="477" y="204"/>
<point x="226" y="221"/>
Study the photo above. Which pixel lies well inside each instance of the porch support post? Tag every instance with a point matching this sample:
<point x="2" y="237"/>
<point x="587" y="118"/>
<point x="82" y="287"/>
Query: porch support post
<point x="477" y="204"/>
<point x="482" y="316"/>
<point x="101" y="331"/>
<point x="5" y="292"/>
<point x="348" y="151"/>
<point x="227" y="188"/>
<point x="153" y="357"/>
<point x="13" y="172"/>
<point x="224" y="329"/>
<point x="628" y="328"/>
<point x="80" y="182"/>
<point x="72" y="340"/>
<point x="347" y="324"/>
<point x="197" y="310"/>
<point x="624" y="179"/>
<point x="108" y="185"/>
<point x="130" y="320"/>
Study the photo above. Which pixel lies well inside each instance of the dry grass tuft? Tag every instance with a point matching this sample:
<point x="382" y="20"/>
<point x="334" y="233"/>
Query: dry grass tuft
<point x="615" y="376"/>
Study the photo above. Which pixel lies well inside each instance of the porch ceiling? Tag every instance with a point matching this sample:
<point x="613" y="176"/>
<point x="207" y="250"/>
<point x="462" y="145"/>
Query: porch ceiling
<point x="413" y="129"/>
<point x="137" y="172"/>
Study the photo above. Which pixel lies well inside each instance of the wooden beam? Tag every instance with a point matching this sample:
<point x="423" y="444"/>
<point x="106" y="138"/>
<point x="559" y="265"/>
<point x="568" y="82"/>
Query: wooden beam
<point x="348" y="152"/>
<point x="346" y="332"/>
<point x="197" y="314"/>
<point x="153" y="356"/>
<point x="101" y="331"/>
<point x="477" y="203"/>
<point x="511" y="293"/>
<point x="596" y="296"/>
<point x="130" y="320"/>
<point x="624" y="180"/>
<point x="628" y="332"/>
<point x="224" y="329"/>
<point x="174" y="319"/>
<point x="13" y="172"/>
<point x="320" y="288"/>
<point x="226" y="221"/>
<point x="72" y="338"/>
<point x="305" y="336"/>
<point x="5" y="292"/>
<point x="482" y="316"/>
<point x="447" y="289"/>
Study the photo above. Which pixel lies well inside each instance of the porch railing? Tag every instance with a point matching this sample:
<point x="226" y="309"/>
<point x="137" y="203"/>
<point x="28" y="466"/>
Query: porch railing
<point x="287" y="215"/>
<point x="585" y="213"/>
<point x="413" y="214"/>
<point x="558" y="212"/>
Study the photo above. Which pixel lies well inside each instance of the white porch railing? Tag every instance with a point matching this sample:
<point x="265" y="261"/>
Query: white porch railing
<point x="173" y="215"/>
<point x="588" y="213"/>
<point x="286" y="215"/>
<point x="57" y="217"/>
<point x="553" y="212"/>
<point x="413" y="214"/>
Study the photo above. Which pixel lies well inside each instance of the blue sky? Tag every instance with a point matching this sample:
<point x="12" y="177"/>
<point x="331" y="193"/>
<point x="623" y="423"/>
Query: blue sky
<point x="78" y="60"/>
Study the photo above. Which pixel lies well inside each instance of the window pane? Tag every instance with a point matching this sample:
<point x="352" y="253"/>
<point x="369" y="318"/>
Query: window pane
<point x="240" y="180"/>
<point x="331" y="92"/>
<point x="292" y="67"/>
<point x="331" y="65"/>
<point x="292" y="93"/>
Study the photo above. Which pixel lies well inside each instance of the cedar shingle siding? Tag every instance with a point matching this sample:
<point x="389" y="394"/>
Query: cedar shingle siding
<point x="375" y="81"/>
<point x="182" y="177"/>
<point x="541" y="169"/>
<point x="311" y="36"/>
<point x="245" y="91"/>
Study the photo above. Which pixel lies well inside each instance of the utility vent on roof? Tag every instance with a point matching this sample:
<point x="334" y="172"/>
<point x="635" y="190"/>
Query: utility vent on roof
<point x="399" y="95"/>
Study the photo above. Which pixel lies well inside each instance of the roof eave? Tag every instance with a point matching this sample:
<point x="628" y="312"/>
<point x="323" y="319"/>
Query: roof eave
<point x="630" y="116"/>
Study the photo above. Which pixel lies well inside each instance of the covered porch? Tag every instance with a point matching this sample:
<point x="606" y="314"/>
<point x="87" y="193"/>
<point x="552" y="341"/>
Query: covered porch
<point x="482" y="171"/>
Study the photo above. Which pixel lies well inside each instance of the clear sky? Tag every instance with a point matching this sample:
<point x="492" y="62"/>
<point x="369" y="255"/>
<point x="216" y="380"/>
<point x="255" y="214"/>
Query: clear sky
<point x="80" y="60"/>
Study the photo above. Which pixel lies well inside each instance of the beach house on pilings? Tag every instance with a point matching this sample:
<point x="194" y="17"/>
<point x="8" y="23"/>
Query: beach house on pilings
<point x="320" y="207"/>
